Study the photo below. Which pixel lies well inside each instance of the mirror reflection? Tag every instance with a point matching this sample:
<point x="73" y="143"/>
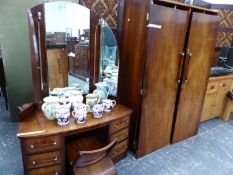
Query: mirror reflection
<point x="67" y="45"/>
<point x="109" y="61"/>
<point x="67" y="27"/>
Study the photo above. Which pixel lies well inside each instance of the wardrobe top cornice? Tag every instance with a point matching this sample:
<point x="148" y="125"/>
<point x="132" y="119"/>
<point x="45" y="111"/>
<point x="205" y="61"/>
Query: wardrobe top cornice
<point x="185" y="6"/>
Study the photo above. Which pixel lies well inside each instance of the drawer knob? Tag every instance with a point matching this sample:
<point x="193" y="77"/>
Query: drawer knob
<point x="115" y="126"/>
<point x="115" y="153"/>
<point x="56" y="173"/>
<point x="32" y="146"/>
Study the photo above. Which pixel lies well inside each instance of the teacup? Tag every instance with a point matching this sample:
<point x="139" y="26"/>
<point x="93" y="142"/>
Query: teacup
<point x="81" y="107"/>
<point x="64" y="103"/>
<point x="76" y="99"/>
<point x="108" y="104"/>
<point x="57" y="92"/>
<point x="80" y="112"/>
<point x="79" y="116"/>
<point x="98" y="110"/>
<point x="62" y="115"/>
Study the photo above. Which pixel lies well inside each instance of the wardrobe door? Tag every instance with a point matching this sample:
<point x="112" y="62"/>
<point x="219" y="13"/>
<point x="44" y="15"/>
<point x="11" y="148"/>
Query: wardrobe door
<point x="165" y="41"/>
<point x="200" y="51"/>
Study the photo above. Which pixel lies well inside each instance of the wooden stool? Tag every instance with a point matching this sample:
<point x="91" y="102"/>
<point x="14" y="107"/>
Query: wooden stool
<point x="94" y="160"/>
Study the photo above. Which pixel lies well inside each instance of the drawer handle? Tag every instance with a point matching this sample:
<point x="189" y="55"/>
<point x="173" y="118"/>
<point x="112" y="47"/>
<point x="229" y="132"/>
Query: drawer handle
<point x="116" y="126"/>
<point x="126" y="147"/>
<point x="122" y="136"/>
<point x="44" y="161"/>
<point x="43" y="145"/>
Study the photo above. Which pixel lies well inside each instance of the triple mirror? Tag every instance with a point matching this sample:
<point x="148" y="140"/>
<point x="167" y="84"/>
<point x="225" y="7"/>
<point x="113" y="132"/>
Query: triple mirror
<point x="73" y="49"/>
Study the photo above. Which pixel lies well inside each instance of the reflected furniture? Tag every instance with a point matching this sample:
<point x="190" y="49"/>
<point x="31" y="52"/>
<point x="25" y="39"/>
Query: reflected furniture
<point x="166" y="54"/>
<point x="94" y="161"/>
<point x="57" y="61"/>
<point x="216" y="103"/>
<point x="79" y="65"/>
<point x="43" y="142"/>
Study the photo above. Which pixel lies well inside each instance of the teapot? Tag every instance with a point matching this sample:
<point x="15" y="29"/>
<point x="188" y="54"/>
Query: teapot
<point x="51" y="104"/>
<point x="102" y="90"/>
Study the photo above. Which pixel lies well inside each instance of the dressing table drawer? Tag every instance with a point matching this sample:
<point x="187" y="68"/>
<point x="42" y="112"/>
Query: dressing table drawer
<point x="120" y="136"/>
<point x="43" y="144"/>
<point x="119" y="125"/>
<point x="119" y="149"/>
<point x="42" y="160"/>
<point x="51" y="170"/>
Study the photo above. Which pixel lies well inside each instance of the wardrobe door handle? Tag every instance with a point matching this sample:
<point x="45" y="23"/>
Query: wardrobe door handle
<point x="188" y="57"/>
<point x="182" y="56"/>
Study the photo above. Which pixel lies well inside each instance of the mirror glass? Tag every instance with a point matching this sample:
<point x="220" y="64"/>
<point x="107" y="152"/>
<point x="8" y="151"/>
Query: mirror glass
<point x="67" y="28"/>
<point x="109" y="58"/>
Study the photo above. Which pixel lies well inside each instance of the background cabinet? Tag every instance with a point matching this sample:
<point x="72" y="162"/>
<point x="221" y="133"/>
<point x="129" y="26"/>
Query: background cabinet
<point x="79" y="65"/>
<point x="216" y="96"/>
<point x="164" y="72"/>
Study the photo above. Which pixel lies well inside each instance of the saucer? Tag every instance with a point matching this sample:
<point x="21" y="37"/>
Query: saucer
<point x="63" y="124"/>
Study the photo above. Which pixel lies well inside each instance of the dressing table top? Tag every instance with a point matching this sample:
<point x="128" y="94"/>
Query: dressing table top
<point x="37" y="125"/>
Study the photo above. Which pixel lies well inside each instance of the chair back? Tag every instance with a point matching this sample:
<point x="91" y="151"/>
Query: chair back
<point x="87" y="158"/>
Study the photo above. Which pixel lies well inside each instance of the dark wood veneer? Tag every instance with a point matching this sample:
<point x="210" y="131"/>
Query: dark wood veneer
<point x="153" y="77"/>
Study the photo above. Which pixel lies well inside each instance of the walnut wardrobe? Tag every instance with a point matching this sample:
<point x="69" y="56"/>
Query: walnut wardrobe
<point x="166" y="53"/>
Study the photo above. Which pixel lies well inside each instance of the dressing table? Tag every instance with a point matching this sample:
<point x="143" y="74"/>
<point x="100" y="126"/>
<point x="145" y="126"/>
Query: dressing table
<point x="69" y="49"/>
<point x="43" y="141"/>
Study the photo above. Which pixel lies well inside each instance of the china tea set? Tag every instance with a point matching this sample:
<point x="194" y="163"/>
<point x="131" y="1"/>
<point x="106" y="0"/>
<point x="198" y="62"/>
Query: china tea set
<point x="61" y="106"/>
